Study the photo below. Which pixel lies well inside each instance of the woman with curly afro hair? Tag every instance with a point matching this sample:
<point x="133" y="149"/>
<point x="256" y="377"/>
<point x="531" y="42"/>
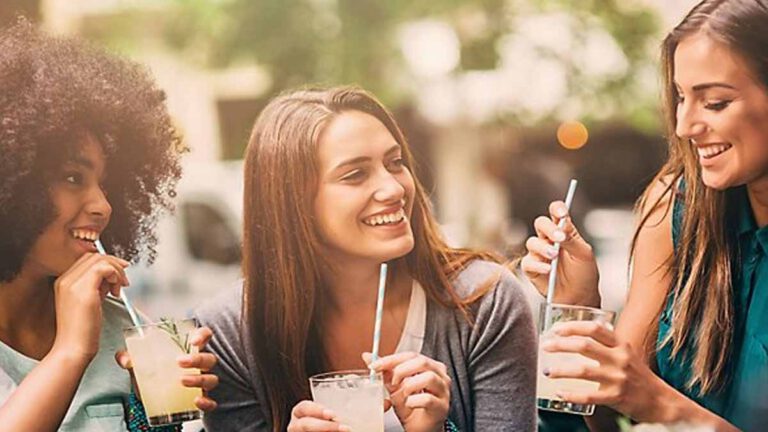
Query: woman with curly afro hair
<point x="87" y="151"/>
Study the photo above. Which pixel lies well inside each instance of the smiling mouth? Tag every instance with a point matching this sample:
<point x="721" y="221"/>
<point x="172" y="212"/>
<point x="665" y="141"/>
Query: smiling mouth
<point x="711" y="151"/>
<point x="386" y="219"/>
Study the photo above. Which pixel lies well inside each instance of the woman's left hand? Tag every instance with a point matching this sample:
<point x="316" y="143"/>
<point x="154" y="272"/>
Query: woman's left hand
<point x="627" y="384"/>
<point x="419" y="389"/>
<point x="203" y="361"/>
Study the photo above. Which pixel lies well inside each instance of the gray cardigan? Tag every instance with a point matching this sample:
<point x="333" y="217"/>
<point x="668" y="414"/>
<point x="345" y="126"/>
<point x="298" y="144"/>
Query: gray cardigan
<point x="492" y="362"/>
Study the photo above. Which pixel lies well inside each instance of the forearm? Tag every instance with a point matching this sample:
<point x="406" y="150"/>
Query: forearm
<point x="677" y="408"/>
<point x="42" y="399"/>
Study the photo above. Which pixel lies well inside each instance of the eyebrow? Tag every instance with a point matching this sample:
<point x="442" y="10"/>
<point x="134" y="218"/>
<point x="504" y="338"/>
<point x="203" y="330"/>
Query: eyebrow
<point x="709" y="85"/>
<point x="362" y="159"/>
<point x="81" y="162"/>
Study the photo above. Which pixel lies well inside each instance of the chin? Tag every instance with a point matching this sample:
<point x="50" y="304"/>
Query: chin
<point x="404" y="248"/>
<point x="716" y="182"/>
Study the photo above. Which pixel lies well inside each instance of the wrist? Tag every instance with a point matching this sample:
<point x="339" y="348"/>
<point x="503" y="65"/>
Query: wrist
<point x="70" y="358"/>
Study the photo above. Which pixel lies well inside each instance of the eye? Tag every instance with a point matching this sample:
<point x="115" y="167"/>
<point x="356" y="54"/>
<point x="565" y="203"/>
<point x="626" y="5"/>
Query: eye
<point x="354" y="176"/>
<point x="717" y="105"/>
<point x="396" y="165"/>
<point x="74" y="178"/>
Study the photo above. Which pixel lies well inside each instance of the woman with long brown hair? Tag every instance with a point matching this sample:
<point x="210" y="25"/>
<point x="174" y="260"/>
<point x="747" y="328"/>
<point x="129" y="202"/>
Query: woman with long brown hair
<point x="692" y="341"/>
<point x="329" y="195"/>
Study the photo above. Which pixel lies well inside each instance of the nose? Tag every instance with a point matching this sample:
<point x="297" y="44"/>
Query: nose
<point x="388" y="188"/>
<point x="689" y="125"/>
<point x="97" y="203"/>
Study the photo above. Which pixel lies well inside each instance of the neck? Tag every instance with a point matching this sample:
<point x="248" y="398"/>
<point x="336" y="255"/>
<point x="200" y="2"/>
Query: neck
<point x="26" y="303"/>
<point x="356" y="286"/>
<point x="758" y="198"/>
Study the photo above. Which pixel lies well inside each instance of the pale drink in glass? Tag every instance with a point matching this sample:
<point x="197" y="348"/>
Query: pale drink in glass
<point x="356" y="397"/>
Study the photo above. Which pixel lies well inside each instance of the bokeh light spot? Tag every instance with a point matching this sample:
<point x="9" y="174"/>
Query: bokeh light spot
<point x="572" y="135"/>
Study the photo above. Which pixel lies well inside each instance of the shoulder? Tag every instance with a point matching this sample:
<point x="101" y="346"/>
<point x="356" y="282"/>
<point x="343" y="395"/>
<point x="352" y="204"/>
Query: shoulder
<point x="488" y="281"/>
<point x="115" y="313"/>
<point x="223" y="313"/>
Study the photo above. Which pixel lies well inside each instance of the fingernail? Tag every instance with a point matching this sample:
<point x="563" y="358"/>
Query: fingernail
<point x="374" y="366"/>
<point x="329" y="414"/>
<point x="559" y="236"/>
<point x="545" y="371"/>
<point x="184" y="360"/>
<point x="546" y="345"/>
<point x="561" y="212"/>
<point x="551" y="252"/>
<point x="345" y="428"/>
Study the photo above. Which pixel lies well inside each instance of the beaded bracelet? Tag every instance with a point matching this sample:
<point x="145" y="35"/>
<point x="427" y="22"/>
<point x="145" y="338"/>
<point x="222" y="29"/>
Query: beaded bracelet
<point x="450" y="427"/>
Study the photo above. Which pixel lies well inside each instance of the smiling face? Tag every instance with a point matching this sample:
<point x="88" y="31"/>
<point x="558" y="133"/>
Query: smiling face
<point x="723" y="111"/>
<point x="82" y="212"/>
<point x="365" y="192"/>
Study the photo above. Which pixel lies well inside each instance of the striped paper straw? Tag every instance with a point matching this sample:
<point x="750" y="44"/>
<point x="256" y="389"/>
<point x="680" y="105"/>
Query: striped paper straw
<point x="123" y="296"/>
<point x="379" y="313"/>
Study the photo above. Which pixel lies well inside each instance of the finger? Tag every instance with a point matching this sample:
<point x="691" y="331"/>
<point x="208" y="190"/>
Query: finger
<point x="200" y="337"/>
<point x="541" y="247"/>
<point x="585" y="346"/>
<point x="580" y="371"/>
<point x="391" y="361"/>
<point x="206" y="382"/>
<point x="426" y="401"/>
<point x="312" y="424"/>
<point x="124" y="360"/>
<point x="205" y="403"/>
<point x="535" y="266"/>
<point x="418" y="365"/>
<point x="558" y="210"/>
<point x="596" y="398"/>
<point x="312" y="409"/>
<point x="428" y="382"/>
<point x="203" y="361"/>
<point x="367" y="358"/>
<point x="603" y="333"/>
<point x="548" y="230"/>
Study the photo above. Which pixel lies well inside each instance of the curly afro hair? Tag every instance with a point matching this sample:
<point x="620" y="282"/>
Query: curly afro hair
<point x="53" y="91"/>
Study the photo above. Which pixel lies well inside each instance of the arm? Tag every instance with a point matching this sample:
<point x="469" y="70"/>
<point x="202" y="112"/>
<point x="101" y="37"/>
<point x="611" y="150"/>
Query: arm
<point x="502" y="360"/>
<point x="41" y="401"/>
<point x="238" y="404"/>
<point x="643" y="395"/>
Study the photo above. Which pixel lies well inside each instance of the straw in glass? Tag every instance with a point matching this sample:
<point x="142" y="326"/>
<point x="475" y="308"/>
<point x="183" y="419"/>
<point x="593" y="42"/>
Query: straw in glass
<point x="379" y="312"/>
<point x="123" y="296"/>
<point x="561" y="225"/>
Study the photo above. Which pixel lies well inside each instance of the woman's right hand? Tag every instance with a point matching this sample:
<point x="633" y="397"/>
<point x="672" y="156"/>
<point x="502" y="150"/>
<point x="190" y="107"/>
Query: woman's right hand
<point x="309" y="416"/>
<point x="78" y="295"/>
<point x="577" y="273"/>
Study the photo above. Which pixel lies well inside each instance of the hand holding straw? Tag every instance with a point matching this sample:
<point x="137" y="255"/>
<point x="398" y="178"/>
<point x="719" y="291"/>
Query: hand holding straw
<point x="560" y="225"/>
<point x="123" y="296"/>
<point x="379" y="313"/>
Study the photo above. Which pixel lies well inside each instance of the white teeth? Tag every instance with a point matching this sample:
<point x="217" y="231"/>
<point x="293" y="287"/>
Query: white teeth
<point x="385" y="219"/>
<point x="710" y="151"/>
<point x="85" y="235"/>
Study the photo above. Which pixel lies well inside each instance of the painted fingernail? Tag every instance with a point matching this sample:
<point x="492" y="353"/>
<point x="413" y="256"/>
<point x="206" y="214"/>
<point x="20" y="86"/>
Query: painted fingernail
<point x="559" y="236"/>
<point x="545" y="371"/>
<point x="551" y="252"/>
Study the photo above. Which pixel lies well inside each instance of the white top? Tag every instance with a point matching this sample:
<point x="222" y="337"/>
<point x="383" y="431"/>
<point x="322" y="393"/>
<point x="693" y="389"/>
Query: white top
<point x="411" y="340"/>
<point x="6" y="386"/>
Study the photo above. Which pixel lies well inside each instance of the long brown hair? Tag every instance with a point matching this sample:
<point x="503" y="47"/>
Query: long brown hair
<point x="281" y="249"/>
<point x="701" y="266"/>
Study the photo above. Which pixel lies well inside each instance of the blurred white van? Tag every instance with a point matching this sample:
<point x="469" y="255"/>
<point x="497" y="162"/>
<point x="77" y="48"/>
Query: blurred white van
<point x="198" y="251"/>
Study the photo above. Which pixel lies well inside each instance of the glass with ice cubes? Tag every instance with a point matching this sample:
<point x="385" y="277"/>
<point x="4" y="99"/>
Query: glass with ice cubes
<point x="355" y="396"/>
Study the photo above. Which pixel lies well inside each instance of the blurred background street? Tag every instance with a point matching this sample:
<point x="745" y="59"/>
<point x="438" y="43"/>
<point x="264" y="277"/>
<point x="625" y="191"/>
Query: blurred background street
<point x="480" y="88"/>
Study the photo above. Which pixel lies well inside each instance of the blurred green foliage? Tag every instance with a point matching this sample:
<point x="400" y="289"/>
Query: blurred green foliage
<point x="355" y="41"/>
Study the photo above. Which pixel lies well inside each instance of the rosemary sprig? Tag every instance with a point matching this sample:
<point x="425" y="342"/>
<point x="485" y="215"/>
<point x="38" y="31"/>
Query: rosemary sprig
<point x="169" y="326"/>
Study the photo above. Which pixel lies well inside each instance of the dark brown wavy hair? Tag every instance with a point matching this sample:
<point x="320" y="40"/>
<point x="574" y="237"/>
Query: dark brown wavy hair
<point x="52" y="92"/>
<point x="701" y="266"/>
<point x="282" y="261"/>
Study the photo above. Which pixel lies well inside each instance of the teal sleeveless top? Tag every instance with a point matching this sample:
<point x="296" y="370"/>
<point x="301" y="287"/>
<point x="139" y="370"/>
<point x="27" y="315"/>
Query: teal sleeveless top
<point x="744" y="399"/>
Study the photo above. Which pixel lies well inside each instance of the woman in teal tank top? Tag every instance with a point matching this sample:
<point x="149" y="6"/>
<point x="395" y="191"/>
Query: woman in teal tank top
<point x="691" y="344"/>
<point x="87" y="150"/>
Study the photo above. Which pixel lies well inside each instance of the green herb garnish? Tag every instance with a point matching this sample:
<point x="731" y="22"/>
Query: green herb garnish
<point x="169" y="326"/>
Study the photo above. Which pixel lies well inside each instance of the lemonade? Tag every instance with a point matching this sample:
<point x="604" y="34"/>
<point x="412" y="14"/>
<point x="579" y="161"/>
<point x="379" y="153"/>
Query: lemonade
<point x="153" y="352"/>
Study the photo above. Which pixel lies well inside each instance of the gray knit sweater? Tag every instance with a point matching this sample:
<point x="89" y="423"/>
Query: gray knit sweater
<point x="492" y="362"/>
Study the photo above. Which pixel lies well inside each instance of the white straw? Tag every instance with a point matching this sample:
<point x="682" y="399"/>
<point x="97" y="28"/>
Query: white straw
<point x="123" y="296"/>
<point x="560" y="226"/>
<point x="379" y="313"/>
